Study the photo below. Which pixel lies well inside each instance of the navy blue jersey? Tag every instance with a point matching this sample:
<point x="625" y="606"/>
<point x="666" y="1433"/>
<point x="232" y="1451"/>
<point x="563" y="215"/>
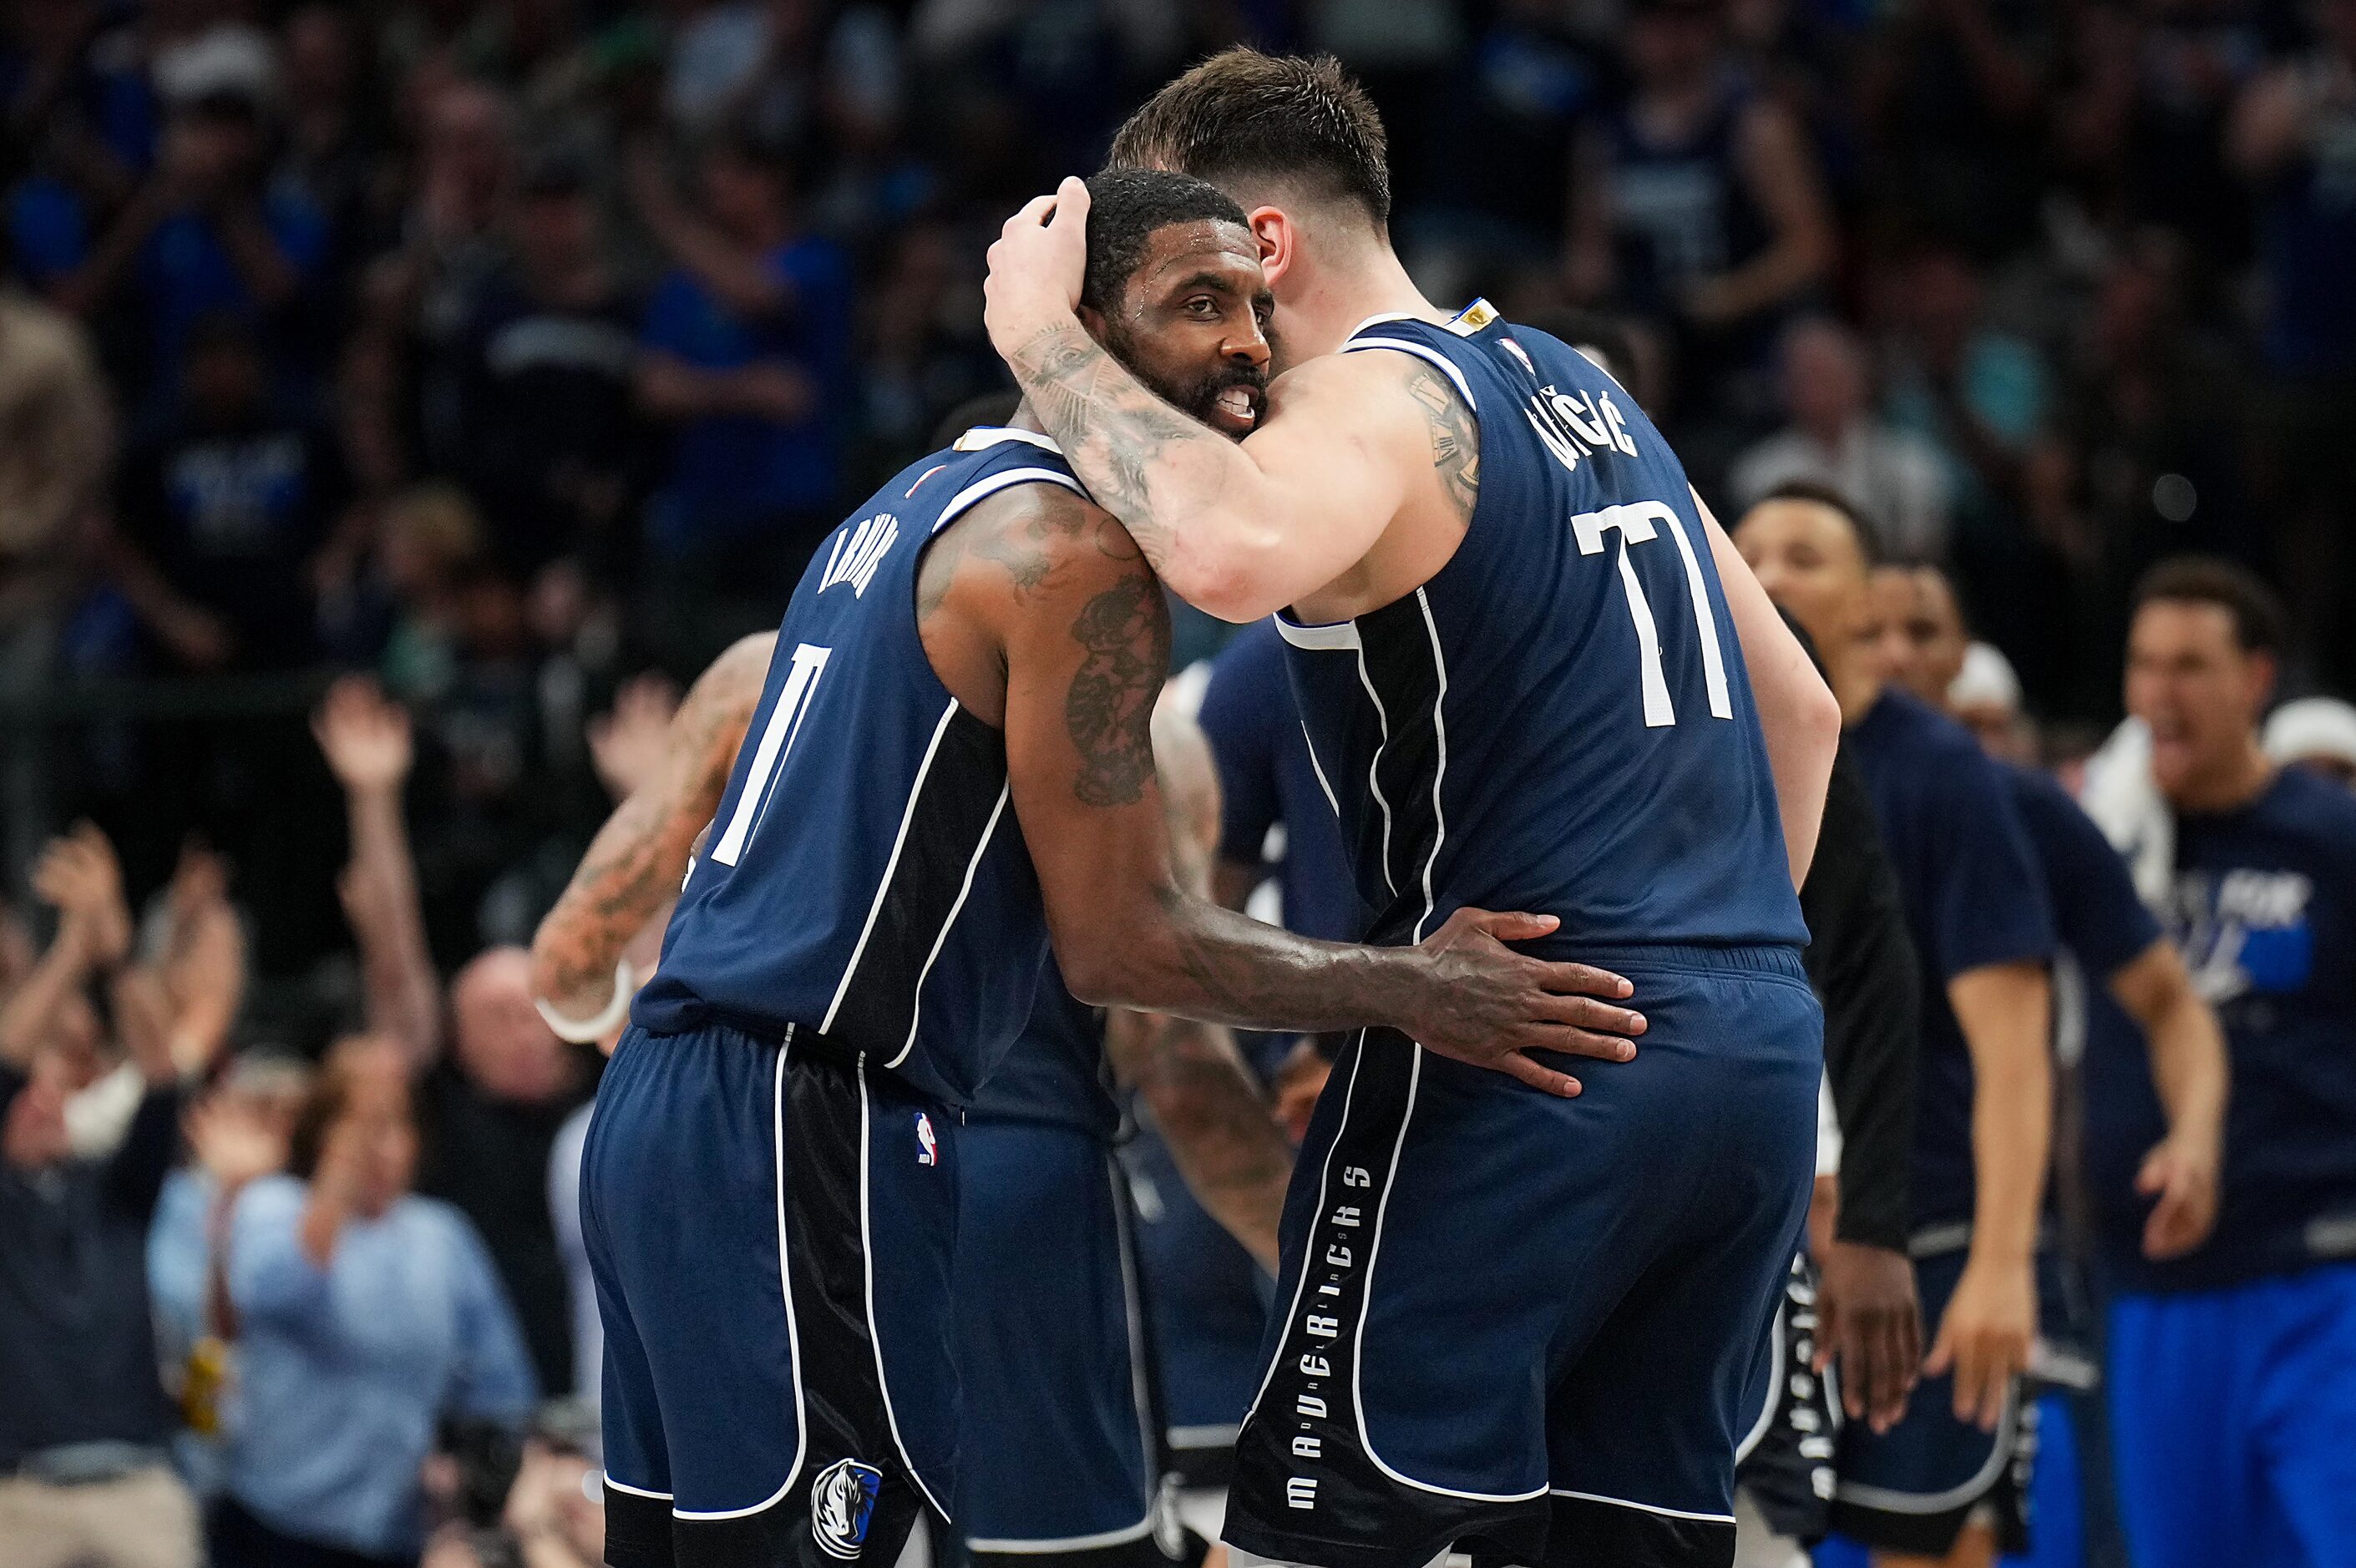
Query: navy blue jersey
<point x="1266" y="782"/>
<point x="2263" y="904"/>
<point x="1560" y="720"/>
<point x="864" y="877"/>
<point x="1055" y="1072"/>
<point x="2097" y="918"/>
<point x="1974" y="896"/>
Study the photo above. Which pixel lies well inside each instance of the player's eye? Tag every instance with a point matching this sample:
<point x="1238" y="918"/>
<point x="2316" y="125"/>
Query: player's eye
<point x="1202" y="307"/>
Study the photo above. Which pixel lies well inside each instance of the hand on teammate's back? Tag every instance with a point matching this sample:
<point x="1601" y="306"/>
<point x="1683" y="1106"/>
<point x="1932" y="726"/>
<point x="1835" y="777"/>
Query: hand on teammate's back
<point x="1495" y="1005"/>
<point x="1985" y="1337"/>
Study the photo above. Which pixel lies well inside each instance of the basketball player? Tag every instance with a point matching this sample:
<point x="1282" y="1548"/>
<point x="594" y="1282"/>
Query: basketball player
<point x="769" y="1184"/>
<point x="1529" y="665"/>
<point x="1057" y="1413"/>
<point x="1946" y="1481"/>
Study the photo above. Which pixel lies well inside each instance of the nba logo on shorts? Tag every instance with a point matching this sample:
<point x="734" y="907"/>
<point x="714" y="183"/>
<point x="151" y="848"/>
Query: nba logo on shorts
<point x="842" y="1500"/>
<point x="929" y="1148"/>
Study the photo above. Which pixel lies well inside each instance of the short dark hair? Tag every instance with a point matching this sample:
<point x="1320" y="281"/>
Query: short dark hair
<point x="2256" y="613"/>
<point x="1244" y="115"/>
<point x="1816" y="493"/>
<point x="1125" y="208"/>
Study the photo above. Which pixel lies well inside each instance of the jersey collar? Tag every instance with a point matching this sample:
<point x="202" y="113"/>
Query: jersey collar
<point x="983" y="436"/>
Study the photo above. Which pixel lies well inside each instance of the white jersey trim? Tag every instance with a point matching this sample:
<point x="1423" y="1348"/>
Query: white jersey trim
<point x="1323" y="636"/>
<point x="1421" y="351"/>
<point x="1440" y="771"/>
<point x="1366" y="1306"/>
<point x="965" y="889"/>
<point x="982" y="489"/>
<point x="1375" y="767"/>
<point x="1122" y="1536"/>
<point x="634" y="1491"/>
<point x="982" y="437"/>
<point x="1646" y="1508"/>
<point x="1774" y="1388"/>
<point x="1890" y="1500"/>
<point x="884" y="883"/>
<point x="867" y="1266"/>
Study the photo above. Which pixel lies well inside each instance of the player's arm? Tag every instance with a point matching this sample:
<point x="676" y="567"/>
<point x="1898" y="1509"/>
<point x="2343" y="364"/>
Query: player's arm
<point x="1798" y="716"/>
<point x="638" y="859"/>
<point x="1238" y="531"/>
<point x="2188" y="1065"/>
<point x="1060" y="596"/>
<point x="1192" y="1079"/>
<point x="2006" y="1014"/>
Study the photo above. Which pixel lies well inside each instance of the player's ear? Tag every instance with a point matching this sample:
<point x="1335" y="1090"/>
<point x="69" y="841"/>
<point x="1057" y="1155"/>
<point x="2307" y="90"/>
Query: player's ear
<point x="1280" y="243"/>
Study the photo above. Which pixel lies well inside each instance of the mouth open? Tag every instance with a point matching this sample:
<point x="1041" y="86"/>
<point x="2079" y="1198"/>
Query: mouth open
<point x="1237" y="409"/>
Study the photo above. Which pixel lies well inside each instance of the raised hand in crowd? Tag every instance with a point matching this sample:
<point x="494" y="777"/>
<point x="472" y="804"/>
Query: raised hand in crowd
<point x="630" y="743"/>
<point x="366" y="740"/>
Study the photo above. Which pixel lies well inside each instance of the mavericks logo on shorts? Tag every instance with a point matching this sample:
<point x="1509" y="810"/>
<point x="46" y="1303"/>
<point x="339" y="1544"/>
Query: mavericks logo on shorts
<point x="929" y="1148"/>
<point x="842" y="1500"/>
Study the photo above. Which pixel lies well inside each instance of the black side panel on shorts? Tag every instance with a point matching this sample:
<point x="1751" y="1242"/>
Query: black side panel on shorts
<point x="1301" y="1473"/>
<point x="1402" y="670"/>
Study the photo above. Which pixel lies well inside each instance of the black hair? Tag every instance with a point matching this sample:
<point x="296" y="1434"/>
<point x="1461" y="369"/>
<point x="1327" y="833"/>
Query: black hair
<point x="2256" y="612"/>
<point x="1816" y="493"/>
<point x="1244" y="115"/>
<point x="1126" y="206"/>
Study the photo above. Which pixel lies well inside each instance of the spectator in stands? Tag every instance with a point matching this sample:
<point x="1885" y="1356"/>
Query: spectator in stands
<point x="207" y="233"/>
<point x="84" y="1475"/>
<point x="366" y="1315"/>
<point x="746" y="359"/>
<point x="489" y="1109"/>
<point x="223" y="516"/>
<point x="551" y="430"/>
<point x="1835" y="439"/>
<point x="2294" y="138"/>
<point x="1951" y="92"/>
<point x="60" y="440"/>
<point x="1698" y="205"/>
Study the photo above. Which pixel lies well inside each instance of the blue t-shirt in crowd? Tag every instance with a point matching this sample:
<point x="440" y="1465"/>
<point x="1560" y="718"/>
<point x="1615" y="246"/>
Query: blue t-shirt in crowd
<point x="344" y="1372"/>
<point x="2263" y="904"/>
<point x="1266" y="780"/>
<point x="185" y="272"/>
<point x="732" y="475"/>
<point x="1974" y="896"/>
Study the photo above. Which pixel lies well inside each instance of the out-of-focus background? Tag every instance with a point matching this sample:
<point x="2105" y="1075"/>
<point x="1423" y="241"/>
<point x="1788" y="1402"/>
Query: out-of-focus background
<point x="511" y="355"/>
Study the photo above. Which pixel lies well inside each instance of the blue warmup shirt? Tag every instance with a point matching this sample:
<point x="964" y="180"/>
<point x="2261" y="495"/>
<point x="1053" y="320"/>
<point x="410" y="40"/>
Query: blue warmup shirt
<point x="1974" y="895"/>
<point x="1266" y="781"/>
<point x="2263" y="904"/>
<point x="1558" y="720"/>
<point x="1055" y="1072"/>
<point x="2096" y="916"/>
<point x="866" y="877"/>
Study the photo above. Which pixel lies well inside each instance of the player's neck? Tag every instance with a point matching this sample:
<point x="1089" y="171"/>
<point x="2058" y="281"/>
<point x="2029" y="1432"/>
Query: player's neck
<point x="1344" y="291"/>
<point x="2232" y="784"/>
<point x="1025" y="418"/>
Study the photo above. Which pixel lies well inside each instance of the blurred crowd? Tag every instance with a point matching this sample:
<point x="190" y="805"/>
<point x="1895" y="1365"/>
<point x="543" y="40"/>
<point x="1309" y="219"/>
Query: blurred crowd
<point x="515" y="353"/>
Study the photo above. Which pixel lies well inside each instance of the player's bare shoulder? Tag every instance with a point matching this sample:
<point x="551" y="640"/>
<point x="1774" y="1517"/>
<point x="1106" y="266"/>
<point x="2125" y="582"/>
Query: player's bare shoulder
<point x="1033" y="561"/>
<point x="1407" y="409"/>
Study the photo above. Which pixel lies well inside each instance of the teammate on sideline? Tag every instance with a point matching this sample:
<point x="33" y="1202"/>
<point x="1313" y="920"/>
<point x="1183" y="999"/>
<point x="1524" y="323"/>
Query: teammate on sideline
<point x="1047" y="1323"/>
<point x="1523" y="1325"/>
<point x="2232" y="1367"/>
<point x="1975" y="905"/>
<point x="769" y="1184"/>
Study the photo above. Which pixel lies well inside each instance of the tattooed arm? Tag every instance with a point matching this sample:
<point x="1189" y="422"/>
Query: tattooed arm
<point x="1238" y="530"/>
<point x="1040" y="614"/>
<point x="635" y="864"/>
<point x="1190" y="1077"/>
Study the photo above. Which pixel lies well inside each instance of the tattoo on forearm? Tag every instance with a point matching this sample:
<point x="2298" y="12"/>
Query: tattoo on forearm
<point x="1115" y="430"/>
<point x="1455" y="437"/>
<point x="1108" y="707"/>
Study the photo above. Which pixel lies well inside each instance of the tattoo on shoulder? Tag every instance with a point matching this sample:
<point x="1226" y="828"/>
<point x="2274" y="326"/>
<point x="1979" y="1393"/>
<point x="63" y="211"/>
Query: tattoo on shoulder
<point x="1455" y="436"/>
<point x="1033" y="534"/>
<point x="1108" y="707"/>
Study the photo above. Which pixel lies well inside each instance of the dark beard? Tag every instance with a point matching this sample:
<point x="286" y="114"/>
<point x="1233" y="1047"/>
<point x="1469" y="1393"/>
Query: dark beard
<point x="1194" y="399"/>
